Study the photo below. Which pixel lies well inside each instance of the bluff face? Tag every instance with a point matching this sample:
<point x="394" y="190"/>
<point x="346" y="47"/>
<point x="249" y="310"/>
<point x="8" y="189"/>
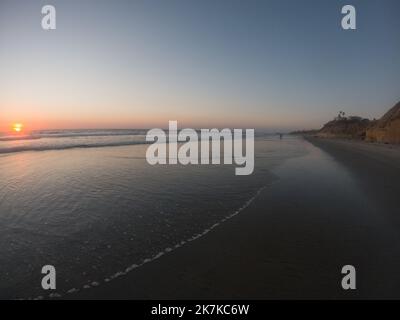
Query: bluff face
<point x="387" y="128"/>
<point x="384" y="130"/>
<point x="351" y="128"/>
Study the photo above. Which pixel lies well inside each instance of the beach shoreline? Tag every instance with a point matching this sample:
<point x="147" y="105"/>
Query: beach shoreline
<point x="291" y="241"/>
<point x="376" y="167"/>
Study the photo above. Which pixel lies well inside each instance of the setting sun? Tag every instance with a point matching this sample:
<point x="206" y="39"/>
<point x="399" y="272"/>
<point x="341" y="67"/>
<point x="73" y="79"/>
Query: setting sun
<point x="17" y="127"/>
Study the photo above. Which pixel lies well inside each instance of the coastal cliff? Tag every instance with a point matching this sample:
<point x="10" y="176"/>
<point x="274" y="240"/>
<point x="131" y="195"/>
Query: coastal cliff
<point x="351" y="127"/>
<point x="384" y="130"/>
<point x="387" y="128"/>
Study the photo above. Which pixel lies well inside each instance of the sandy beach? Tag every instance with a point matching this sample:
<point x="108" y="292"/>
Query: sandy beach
<point x="334" y="206"/>
<point x="199" y="151"/>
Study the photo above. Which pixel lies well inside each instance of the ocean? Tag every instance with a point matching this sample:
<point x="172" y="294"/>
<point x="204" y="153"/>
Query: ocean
<point x="88" y="203"/>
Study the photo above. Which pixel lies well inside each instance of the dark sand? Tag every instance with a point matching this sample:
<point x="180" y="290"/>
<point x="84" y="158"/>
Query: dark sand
<point x="337" y="205"/>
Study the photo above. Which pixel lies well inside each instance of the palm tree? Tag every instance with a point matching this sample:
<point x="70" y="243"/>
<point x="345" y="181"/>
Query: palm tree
<point x="341" y="115"/>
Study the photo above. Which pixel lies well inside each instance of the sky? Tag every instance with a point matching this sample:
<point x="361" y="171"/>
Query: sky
<point x="275" y="65"/>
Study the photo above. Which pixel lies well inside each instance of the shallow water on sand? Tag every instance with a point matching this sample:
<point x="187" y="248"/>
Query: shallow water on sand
<point x="95" y="213"/>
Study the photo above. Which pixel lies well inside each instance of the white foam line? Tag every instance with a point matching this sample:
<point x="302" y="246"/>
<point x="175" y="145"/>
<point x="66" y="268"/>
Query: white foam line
<point x="118" y="274"/>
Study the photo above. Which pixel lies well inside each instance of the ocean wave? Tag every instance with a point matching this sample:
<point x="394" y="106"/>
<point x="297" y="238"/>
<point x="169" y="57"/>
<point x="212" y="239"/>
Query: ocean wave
<point x="70" y="139"/>
<point x="18" y="138"/>
<point x="14" y="149"/>
<point x="35" y="135"/>
<point x="91" y="284"/>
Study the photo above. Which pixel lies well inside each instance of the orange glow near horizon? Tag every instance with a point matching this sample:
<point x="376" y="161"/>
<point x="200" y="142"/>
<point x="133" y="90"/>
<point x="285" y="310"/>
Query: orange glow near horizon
<point x="17" y="127"/>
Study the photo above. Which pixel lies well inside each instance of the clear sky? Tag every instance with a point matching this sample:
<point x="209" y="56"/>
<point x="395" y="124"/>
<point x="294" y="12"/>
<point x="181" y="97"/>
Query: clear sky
<point x="137" y="64"/>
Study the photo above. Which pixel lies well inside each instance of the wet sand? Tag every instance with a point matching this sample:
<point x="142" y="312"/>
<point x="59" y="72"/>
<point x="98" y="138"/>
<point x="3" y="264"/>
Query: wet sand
<point x="335" y="206"/>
